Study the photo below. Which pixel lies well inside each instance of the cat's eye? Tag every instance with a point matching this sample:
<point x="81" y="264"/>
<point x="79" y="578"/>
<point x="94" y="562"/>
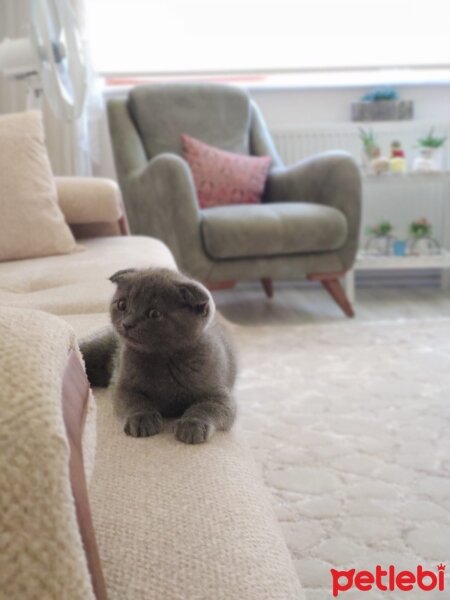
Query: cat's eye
<point x="121" y="305"/>
<point x="154" y="314"/>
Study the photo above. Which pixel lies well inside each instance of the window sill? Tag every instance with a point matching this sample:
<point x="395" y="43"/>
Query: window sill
<point x="305" y="80"/>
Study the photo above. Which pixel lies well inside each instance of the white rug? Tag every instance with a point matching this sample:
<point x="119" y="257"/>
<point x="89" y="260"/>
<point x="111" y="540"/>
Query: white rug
<point x="351" y="423"/>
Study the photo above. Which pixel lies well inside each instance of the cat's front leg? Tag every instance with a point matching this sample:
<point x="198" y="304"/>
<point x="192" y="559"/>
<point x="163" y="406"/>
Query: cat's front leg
<point x="99" y="352"/>
<point x="142" y="419"/>
<point x="200" y="420"/>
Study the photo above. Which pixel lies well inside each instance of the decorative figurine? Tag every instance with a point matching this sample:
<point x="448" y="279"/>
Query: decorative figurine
<point x="397" y="162"/>
<point x="379" y="164"/>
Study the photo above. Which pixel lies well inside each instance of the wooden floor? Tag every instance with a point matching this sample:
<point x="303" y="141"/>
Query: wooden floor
<point x="247" y="305"/>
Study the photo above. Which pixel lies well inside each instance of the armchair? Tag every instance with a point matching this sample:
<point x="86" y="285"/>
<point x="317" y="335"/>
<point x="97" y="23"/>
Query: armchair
<point x="308" y="222"/>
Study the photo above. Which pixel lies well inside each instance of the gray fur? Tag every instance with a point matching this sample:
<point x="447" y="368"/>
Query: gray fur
<point x="100" y="351"/>
<point x="177" y="362"/>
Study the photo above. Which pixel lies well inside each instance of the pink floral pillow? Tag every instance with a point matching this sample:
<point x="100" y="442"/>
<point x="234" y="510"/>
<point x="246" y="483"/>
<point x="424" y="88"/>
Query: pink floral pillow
<point x="223" y="177"/>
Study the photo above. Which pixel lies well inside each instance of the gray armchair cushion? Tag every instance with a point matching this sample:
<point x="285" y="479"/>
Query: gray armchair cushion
<point x="215" y="114"/>
<point x="250" y="230"/>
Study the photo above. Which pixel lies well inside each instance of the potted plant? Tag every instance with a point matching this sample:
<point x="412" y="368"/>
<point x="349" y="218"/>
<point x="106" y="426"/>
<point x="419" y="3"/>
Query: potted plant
<point x="380" y="238"/>
<point x="372" y="160"/>
<point x="382" y="104"/>
<point x="370" y="145"/>
<point x="430" y="148"/>
<point x="422" y="240"/>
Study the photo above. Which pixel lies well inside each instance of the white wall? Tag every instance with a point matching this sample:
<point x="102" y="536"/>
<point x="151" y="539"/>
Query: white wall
<point x="286" y="108"/>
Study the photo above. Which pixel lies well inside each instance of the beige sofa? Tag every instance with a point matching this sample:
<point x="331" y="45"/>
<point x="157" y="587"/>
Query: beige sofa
<point x="171" y="522"/>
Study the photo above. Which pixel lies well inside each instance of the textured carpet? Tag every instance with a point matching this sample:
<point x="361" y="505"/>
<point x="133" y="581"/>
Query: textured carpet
<point x="351" y="423"/>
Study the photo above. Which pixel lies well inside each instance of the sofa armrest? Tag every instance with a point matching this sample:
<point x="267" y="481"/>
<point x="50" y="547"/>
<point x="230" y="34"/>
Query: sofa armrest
<point x="331" y="178"/>
<point x="44" y="520"/>
<point x="86" y="200"/>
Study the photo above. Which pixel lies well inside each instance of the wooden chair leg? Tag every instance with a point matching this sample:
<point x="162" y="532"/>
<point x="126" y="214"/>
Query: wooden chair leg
<point x="331" y="283"/>
<point x="214" y="286"/>
<point x="266" y="282"/>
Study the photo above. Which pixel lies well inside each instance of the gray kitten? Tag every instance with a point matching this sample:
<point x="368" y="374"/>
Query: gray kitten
<point x="167" y="355"/>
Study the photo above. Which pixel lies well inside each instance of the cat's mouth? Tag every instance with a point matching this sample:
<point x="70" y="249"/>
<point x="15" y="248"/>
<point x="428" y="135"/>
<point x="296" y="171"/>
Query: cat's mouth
<point x="133" y="340"/>
<point x="128" y="335"/>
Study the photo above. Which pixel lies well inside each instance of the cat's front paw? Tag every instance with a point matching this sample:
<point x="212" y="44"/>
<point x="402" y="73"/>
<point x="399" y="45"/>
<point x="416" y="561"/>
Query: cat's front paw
<point x="144" y="425"/>
<point x="193" y="431"/>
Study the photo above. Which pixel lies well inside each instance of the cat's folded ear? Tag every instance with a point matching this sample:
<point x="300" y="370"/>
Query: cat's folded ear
<point x="121" y="275"/>
<point x="196" y="297"/>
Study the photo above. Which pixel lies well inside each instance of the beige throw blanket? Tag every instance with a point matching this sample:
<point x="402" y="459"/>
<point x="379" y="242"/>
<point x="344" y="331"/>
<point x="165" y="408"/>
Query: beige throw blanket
<point x="41" y="553"/>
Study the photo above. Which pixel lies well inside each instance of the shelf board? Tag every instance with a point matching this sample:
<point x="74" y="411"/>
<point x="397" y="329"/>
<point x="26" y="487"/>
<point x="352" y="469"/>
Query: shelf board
<point x="366" y="261"/>
<point x="399" y="178"/>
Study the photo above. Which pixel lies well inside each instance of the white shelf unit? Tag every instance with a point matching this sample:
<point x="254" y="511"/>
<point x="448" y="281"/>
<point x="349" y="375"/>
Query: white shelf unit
<point x="402" y="199"/>
<point x="371" y="262"/>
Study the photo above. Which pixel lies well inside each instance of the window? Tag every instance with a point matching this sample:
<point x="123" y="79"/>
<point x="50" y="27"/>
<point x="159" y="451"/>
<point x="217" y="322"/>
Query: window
<point x="217" y="36"/>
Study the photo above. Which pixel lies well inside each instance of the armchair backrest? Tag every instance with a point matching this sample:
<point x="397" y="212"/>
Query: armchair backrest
<point x="219" y="115"/>
<point x="152" y="118"/>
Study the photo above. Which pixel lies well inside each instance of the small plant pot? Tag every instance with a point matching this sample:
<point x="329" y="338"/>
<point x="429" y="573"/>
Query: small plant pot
<point x="430" y="160"/>
<point x="366" y="162"/>
<point x="398" y="165"/>
<point x="400" y="247"/>
<point x="379" y="165"/>
<point x="424" y="245"/>
<point x="382" y="110"/>
<point x="380" y="244"/>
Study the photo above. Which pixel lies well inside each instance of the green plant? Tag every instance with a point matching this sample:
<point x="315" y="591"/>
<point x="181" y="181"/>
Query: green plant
<point x="368" y="140"/>
<point x="381" y="93"/>
<point x="430" y="141"/>
<point x="383" y="229"/>
<point x="420" y="228"/>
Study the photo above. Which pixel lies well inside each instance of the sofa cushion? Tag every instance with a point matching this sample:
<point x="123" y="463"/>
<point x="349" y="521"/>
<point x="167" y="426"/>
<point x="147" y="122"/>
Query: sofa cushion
<point x="223" y="178"/>
<point x="78" y="283"/>
<point x="218" y="114"/>
<point x="31" y="223"/>
<point x="181" y="522"/>
<point x="271" y="229"/>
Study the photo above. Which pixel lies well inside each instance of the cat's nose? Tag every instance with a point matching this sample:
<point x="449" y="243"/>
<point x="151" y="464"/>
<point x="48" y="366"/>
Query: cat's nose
<point x="127" y="325"/>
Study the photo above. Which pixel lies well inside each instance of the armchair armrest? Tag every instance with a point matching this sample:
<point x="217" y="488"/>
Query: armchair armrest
<point x="163" y="202"/>
<point x="331" y="178"/>
<point x="89" y="200"/>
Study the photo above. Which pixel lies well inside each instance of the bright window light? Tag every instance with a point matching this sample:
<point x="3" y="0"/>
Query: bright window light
<point x="216" y="36"/>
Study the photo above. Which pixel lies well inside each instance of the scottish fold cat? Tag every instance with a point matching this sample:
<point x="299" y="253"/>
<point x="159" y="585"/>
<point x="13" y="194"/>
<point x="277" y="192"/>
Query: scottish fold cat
<point x="167" y="354"/>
